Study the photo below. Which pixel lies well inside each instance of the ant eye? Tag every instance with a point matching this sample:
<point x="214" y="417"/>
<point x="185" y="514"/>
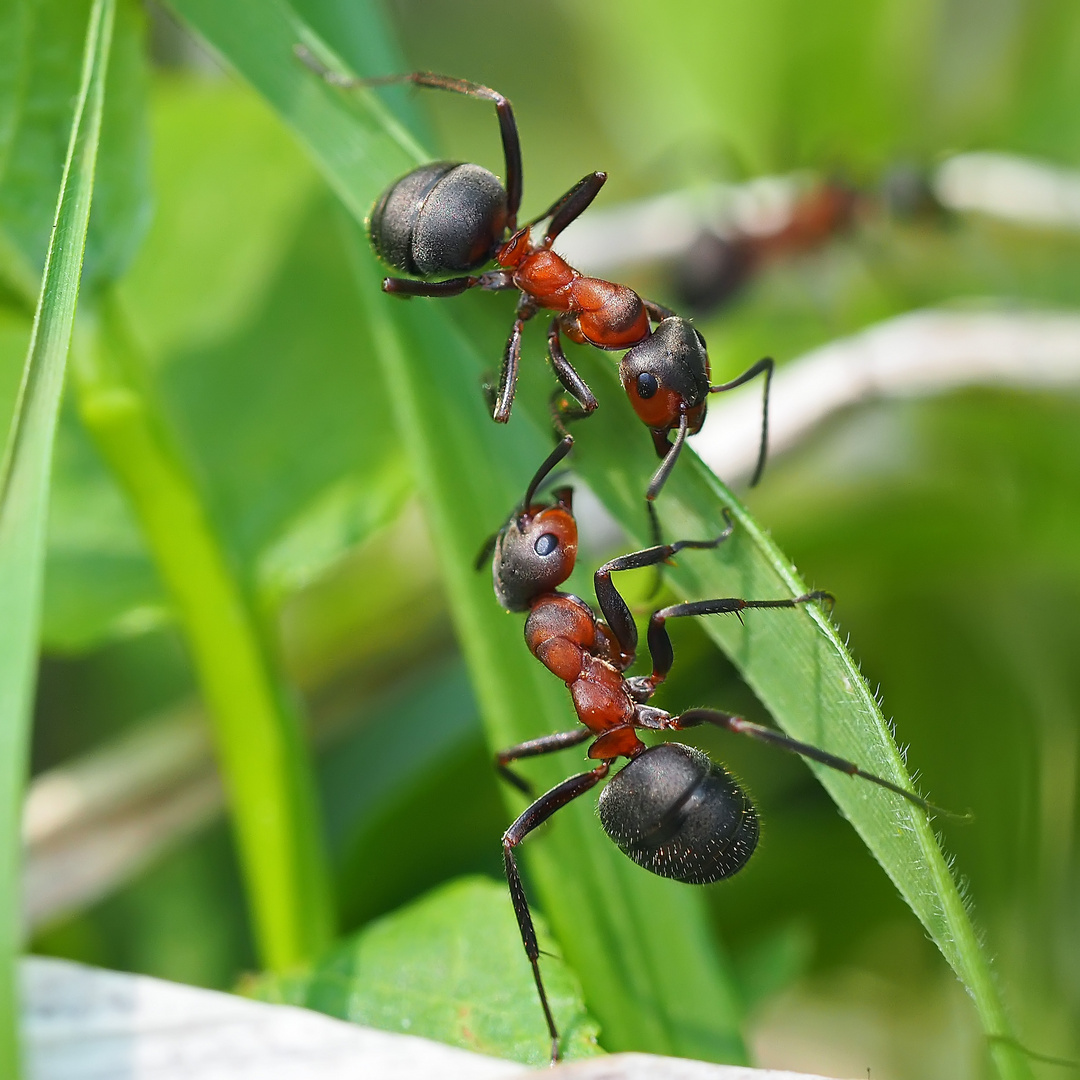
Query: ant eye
<point x="701" y="339"/>
<point x="647" y="384"/>
<point x="546" y="544"/>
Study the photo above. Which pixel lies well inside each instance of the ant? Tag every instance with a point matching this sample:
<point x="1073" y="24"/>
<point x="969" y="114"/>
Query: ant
<point x="716" y="268"/>
<point x="671" y="809"/>
<point x="447" y="217"/>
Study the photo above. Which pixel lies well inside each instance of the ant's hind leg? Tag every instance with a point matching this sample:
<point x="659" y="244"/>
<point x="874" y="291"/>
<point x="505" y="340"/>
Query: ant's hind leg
<point x="738" y="726"/>
<point x="534" y="816"/>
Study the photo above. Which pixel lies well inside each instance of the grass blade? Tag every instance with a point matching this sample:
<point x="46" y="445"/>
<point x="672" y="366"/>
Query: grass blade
<point x="24" y="487"/>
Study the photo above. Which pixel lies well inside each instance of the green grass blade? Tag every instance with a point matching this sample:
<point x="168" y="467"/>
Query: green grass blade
<point x="24" y="487"/>
<point x="263" y="760"/>
<point x="471" y="473"/>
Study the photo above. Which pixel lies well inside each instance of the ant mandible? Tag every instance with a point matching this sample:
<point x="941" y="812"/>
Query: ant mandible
<point x="447" y="217"/>
<point x="670" y="809"/>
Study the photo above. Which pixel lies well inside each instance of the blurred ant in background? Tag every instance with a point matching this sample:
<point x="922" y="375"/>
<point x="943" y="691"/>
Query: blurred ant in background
<point x="670" y="809"/>
<point x="448" y="217"/>
<point x="716" y="268"/>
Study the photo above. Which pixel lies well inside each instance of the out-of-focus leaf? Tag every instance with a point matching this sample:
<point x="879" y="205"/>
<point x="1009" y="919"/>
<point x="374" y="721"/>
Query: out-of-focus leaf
<point x="230" y="191"/>
<point x="99" y="581"/>
<point x="841" y="84"/>
<point x="24" y="486"/>
<point x="39" y="54"/>
<point x="245" y="303"/>
<point x="287" y="422"/>
<point x="448" y="967"/>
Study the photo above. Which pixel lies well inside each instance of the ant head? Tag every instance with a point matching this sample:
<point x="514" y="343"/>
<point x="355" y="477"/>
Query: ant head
<point x="667" y="374"/>
<point x="679" y="814"/>
<point x="444" y="217"/>
<point x="535" y="552"/>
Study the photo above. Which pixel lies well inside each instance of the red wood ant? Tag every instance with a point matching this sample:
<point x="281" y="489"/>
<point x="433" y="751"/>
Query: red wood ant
<point x="447" y="217"/>
<point x="670" y="809"/>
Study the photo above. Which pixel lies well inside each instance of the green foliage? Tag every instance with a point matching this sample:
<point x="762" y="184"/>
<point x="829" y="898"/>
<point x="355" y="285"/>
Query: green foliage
<point x="24" y="487"/>
<point x="302" y="408"/>
<point x="447" y="967"/>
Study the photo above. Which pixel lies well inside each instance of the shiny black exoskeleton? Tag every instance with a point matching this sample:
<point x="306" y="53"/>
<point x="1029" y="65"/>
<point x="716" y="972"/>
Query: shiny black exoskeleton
<point x="441" y="218"/>
<point x="676" y="812"/>
<point x="449" y="216"/>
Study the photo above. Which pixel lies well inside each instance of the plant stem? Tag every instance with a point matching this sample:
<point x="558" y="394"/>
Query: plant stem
<point x="261" y="755"/>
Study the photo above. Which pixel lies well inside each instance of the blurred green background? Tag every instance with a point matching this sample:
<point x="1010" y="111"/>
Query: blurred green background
<point x="947" y="528"/>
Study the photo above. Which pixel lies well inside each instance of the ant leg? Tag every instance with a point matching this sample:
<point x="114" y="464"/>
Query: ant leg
<point x="767" y="366"/>
<point x="493" y="282"/>
<point x="616" y="613"/>
<point x="659" y="478"/>
<point x="572" y="382"/>
<point x="657" y="312"/>
<point x="569" y="207"/>
<point x="409" y="287"/>
<point x="534" y="816"/>
<point x="562" y="411"/>
<point x="565" y="446"/>
<point x="504" y="401"/>
<point x="507" y="124"/>
<point x="670" y="455"/>
<point x="738" y="726"/>
<point x="660" y="644"/>
<point x="546" y="744"/>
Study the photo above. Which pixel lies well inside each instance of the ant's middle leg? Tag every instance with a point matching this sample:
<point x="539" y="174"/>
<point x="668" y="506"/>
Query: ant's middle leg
<point x="660" y="644"/>
<point x="534" y="816"/>
<point x="546" y="744"/>
<point x="616" y="613"/>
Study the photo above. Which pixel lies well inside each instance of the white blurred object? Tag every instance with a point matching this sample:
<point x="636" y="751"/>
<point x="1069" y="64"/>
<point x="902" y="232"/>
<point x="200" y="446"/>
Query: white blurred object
<point x="1014" y="188"/>
<point x="664" y="226"/>
<point x="82" y="1023"/>
<point x="924" y="352"/>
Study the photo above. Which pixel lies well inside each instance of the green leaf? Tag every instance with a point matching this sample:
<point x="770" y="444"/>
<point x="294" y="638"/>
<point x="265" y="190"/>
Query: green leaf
<point x="39" y="56"/>
<point x="24" y="486"/>
<point x="668" y="992"/>
<point x="448" y="967"/>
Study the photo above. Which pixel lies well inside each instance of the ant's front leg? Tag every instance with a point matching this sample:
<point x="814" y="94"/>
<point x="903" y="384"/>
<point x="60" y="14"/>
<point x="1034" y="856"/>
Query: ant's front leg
<point x="504" y="400"/>
<point x="660" y="644"/>
<point x="616" y="612"/>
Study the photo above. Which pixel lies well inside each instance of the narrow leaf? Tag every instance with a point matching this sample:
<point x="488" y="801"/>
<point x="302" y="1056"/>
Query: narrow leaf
<point x="24" y="487"/>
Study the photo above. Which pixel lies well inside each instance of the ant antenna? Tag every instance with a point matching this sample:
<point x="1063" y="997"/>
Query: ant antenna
<point x="553" y="459"/>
